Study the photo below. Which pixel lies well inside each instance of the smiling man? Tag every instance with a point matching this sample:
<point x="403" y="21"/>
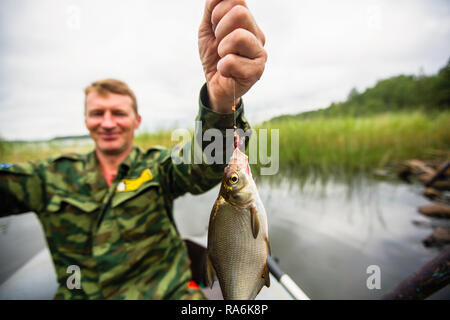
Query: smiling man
<point x="109" y="212"/>
<point x="111" y="117"/>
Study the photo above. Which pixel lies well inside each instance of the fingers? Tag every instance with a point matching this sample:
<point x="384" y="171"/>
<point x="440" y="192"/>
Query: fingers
<point x="231" y="47"/>
<point x="241" y="68"/>
<point x="207" y="13"/>
<point x="237" y="17"/>
<point x="222" y="8"/>
<point x="241" y="42"/>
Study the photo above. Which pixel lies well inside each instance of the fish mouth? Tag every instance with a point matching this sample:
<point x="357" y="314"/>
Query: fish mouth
<point x="238" y="158"/>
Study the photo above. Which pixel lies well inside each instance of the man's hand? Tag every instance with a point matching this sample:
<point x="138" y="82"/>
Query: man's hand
<point x="231" y="47"/>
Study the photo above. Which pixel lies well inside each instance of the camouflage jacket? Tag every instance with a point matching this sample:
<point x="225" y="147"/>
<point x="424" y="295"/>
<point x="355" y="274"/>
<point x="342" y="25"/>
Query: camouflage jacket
<point x="122" y="237"/>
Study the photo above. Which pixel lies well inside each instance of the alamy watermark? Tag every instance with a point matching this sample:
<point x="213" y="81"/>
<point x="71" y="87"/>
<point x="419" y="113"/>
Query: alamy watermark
<point x="374" y="17"/>
<point x="73" y="17"/>
<point x="212" y="142"/>
<point x="374" y="280"/>
<point x="73" y="281"/>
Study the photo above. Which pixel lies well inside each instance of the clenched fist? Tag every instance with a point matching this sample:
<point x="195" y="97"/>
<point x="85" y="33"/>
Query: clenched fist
<point x="231" y="47"/>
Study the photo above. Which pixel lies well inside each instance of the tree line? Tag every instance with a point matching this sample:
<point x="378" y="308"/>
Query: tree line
<point x="430" y="94"/>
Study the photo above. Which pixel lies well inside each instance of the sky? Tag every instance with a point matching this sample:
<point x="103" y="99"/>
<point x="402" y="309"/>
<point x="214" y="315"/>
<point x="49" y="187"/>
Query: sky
<point x="50" y="50"/>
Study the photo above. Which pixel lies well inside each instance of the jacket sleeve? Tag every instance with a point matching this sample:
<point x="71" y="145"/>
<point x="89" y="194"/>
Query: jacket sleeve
<point x="21" y="188"/>
<point x="198" y="165"/>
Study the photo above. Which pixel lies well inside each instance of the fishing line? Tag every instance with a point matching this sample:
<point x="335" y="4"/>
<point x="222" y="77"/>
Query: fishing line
<point x="236" y="137"/>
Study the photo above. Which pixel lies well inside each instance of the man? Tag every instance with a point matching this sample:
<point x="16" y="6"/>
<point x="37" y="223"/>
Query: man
<point x="110" y="212"/>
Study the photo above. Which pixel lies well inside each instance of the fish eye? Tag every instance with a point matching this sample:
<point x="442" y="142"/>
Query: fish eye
<point x="234" y="178"/>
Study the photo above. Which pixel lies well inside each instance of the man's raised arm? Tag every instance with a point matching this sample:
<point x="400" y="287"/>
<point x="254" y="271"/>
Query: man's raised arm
<point x="231" y="47"/>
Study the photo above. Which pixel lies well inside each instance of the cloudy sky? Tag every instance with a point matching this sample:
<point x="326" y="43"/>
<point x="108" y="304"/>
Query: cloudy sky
<point x="318" y="50"/>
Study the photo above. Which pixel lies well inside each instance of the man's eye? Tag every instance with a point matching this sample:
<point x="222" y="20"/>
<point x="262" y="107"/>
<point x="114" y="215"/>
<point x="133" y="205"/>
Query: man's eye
<point x="119" y="114"/>
<point x="96" y="114"/>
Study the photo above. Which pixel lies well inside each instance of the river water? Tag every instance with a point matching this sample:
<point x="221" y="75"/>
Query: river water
<point x="326" y="234"/>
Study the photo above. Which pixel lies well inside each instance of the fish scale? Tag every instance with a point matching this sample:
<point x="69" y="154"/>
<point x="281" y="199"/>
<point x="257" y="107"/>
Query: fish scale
<point x="237" y="224"/>
<point x="238" y="244"/>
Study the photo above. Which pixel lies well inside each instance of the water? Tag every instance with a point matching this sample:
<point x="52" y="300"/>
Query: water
<point x="327" y="233"/>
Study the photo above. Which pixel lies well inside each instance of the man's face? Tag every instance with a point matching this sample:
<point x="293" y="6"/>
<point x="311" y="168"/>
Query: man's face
<point x="111" y="122"/>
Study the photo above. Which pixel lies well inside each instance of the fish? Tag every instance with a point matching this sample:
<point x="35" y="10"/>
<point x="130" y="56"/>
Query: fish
<point x="238" y="243"/>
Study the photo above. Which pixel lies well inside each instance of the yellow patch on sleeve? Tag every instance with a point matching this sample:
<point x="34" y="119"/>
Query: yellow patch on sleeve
<point x="134" y="184"/>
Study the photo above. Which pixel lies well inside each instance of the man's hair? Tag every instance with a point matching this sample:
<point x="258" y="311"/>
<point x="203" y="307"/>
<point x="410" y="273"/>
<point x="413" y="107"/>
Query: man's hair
<point x="106" y="86"/>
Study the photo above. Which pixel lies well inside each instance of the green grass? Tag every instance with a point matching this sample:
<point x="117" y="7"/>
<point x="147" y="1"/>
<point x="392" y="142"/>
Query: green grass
<point x="148" y="139"/>
<point x="11" y="152"/>
<point x="352" y="144"/>
<point x="322" y="144"/>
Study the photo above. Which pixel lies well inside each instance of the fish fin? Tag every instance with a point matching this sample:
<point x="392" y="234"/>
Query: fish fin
<point x="269" y="251"/>
<point x="254" y="220"/>
<point x="256" y="293"/>
<point x="266" y="275"/>
<point x="216" y="206"/>
<point x="210" y="272"/>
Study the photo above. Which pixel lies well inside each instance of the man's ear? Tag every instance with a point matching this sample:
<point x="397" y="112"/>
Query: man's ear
<point x="85" y="112"/>
<point x="85" y="118"/>
<point x="138" y="121"/>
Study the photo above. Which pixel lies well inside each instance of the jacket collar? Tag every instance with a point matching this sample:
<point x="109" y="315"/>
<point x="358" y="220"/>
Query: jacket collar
<point x="94" y="176"/>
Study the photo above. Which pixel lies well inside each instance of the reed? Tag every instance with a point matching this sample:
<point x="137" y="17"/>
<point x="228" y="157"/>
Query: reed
<point x="323" y="144"/>
<point x="363" y="143"/>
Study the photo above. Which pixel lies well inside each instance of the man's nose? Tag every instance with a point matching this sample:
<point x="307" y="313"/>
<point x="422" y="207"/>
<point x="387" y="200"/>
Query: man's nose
<point x="108" y="121"/>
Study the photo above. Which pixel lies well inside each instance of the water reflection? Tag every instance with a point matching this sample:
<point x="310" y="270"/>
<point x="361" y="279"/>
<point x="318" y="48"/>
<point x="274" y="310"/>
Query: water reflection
<point x="326" y="230"/>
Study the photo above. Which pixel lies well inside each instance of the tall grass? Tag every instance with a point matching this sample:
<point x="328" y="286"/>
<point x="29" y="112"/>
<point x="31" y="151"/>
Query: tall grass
<point x="360" y="144"/>
<point x="146" y="140"/>
<point x="324" y="144"/>
<point x="11" y="152"/>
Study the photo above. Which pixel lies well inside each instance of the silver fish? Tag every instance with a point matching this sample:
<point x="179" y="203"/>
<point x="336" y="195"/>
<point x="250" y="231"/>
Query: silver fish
<point x="238" y="243"/>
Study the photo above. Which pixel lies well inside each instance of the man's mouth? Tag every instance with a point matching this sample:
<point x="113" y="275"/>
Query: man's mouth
<point x="109" y="136"/>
